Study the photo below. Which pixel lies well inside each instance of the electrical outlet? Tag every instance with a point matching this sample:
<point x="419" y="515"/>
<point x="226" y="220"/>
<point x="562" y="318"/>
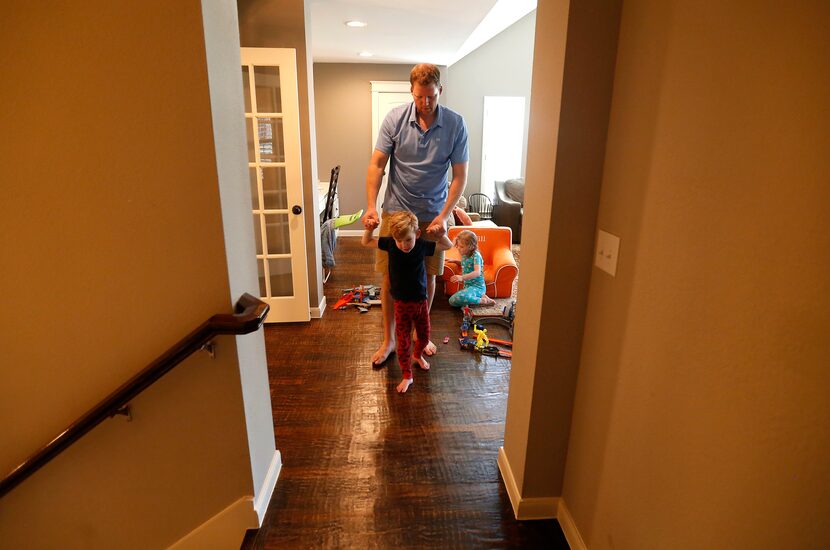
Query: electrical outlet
<point x="608" y="248"/>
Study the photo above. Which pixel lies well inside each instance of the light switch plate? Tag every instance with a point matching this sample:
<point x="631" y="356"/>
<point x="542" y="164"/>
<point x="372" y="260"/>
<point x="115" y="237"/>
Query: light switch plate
<point x="608" y="248"/>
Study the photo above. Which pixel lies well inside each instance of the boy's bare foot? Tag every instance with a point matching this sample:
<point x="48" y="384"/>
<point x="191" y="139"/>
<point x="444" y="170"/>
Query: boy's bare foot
<point x="421" y="362"/>
<point x="383" y="353"/>
<point x="404" y="385"/>
<point x="430" y="349"/>
<point x="486" y="301"/>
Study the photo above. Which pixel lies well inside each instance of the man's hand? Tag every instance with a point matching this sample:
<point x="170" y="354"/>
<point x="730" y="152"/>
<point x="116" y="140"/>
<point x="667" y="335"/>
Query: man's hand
<point x="370" y="219"/>
<point x="438" y="227"/>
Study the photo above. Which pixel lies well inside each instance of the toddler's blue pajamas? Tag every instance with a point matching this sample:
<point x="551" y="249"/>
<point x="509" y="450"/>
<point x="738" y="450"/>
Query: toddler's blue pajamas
<point x="474" y="288"/>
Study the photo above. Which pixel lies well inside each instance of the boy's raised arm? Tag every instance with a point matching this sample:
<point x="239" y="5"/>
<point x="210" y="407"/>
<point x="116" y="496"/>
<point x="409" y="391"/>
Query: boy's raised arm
<point x="368" y="239"/>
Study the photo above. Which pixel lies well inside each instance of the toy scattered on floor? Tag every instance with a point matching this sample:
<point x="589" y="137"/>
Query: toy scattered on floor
<point x="362" y="297"/>
<point x="347" y="219"/>
<point x="481" y="337"/>
<point x="505" y="319"/>
<point x="483" y="343"/>
<point x="480" y="346"/>
<point x="446" y="339"/>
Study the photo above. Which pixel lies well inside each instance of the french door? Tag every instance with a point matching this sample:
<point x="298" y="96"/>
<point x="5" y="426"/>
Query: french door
<point x="272" y="122"/>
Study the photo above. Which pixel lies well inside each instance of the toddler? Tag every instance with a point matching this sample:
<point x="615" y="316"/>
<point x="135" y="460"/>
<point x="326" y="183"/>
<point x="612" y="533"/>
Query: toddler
<point x="408" y="286"/>
<point x="472" y="269"/>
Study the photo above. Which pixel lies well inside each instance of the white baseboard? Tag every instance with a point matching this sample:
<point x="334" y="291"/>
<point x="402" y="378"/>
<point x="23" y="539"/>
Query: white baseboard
<point x="267" y="488"/>
<point x="317" y="312"/>
<point x="224" y="530"/>
<point x="349" y="232"/>
<point x="525" y="508"/>
<point x="509" y="482"/>
<point x="566" y="522"/>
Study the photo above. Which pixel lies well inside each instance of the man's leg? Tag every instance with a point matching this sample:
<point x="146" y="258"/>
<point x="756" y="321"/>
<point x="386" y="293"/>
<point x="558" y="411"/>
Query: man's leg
<point x="388" y="308"/>
<point x="430" y="349"/>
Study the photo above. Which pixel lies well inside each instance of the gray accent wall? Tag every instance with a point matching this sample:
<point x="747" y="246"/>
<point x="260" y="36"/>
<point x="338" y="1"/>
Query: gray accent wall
<point x="343" y="105"/>
<point x="500" y="67"/>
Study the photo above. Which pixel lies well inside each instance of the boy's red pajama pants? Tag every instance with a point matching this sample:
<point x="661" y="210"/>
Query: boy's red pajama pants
<point x="408" y="314"/>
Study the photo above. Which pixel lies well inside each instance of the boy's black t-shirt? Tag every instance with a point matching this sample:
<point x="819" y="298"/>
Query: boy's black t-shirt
<point x="407" y="272"/>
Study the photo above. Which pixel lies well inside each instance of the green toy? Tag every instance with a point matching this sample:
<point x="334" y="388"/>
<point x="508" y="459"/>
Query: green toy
<point x="347" y="219"/>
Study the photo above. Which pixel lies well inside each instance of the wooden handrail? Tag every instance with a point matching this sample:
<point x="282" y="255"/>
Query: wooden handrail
<point x="249" y="316"/>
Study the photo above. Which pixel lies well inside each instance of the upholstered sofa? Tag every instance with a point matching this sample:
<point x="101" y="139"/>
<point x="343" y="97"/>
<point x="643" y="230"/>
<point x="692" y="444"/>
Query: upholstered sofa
<point x="499" y="265"/>
<point x="508" y="205"/>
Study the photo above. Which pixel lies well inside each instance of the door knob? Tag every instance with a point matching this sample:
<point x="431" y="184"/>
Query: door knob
<point x="297" y="209"/>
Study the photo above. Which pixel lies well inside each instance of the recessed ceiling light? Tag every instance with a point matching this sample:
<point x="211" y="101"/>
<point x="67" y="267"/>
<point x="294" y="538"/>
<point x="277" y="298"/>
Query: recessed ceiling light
<point x="365" y="54"/>
<point x="356" y="24"/>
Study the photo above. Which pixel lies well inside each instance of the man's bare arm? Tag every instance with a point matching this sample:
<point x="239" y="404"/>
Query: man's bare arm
<point x="459" y="182"/>
<point x="374" y="177"/>
<point x="438" y="226"/>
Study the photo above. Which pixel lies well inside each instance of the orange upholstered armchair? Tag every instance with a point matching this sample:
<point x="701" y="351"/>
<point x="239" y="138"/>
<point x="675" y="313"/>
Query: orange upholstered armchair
<point x="499" y="265"/>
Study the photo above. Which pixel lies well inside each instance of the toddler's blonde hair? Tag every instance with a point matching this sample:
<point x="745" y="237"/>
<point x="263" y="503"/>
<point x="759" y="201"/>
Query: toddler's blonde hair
<point x="469" y="238"/>
<point x="401" y="223"/>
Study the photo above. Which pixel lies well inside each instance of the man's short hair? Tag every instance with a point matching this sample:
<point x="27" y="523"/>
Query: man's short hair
<point x="425" y="74"/>
<point x="402" y="223"/>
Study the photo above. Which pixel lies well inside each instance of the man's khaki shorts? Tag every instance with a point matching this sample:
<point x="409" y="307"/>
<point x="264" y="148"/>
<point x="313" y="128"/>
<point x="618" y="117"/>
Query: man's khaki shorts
<point x="434" y="263"/>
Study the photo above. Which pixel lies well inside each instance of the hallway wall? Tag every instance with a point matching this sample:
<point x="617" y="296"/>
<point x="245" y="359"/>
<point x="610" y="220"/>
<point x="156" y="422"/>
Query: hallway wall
<point x="113" y="250"/>
<point x="701" y="407"/>
<point x="502" y="66"/>
<point x="344" y="124"/>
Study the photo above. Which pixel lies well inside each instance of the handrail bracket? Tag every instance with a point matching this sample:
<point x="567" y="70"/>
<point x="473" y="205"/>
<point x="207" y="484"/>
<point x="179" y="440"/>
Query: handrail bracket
<point x="126" y="410"/>
<point x="209" y="348"/>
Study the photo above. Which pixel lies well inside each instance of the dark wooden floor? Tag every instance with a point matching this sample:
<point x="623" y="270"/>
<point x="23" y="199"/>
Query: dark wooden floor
<point x="365" y="467"/>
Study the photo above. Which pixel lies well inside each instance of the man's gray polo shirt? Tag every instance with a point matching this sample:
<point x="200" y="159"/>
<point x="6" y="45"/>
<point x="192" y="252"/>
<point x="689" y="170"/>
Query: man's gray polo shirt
<point x="419" y="161"/>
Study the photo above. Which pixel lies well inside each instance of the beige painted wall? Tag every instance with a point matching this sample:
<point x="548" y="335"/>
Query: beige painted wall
<point x="571" y="96"/>
<point x="112" y="251"/>
<point x="701" y="411"/>
<point x="343" y="99"/>
<point x="285" y="24"/>
<point x="500" y="67"/>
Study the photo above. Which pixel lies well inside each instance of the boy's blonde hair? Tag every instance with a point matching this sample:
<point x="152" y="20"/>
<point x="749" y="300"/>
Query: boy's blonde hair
<point x="469" y="238"/>
<point x="401" y="223"/>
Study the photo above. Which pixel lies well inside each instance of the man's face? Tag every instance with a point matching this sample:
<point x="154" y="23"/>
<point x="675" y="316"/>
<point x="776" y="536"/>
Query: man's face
<point x="426" y="98"/>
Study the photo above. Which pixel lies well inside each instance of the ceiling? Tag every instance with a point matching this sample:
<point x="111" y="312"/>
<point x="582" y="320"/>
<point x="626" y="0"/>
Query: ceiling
<point x="431" y="31"/>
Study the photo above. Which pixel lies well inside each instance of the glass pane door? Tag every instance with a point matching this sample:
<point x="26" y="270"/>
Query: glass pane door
<point x="272" y="128"/>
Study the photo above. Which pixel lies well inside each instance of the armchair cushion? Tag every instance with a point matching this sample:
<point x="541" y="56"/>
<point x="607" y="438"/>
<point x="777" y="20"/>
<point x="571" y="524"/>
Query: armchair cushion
<point x="506" y="210"/>
<point x="499" y="265"/>
<point x="515" y="189"/>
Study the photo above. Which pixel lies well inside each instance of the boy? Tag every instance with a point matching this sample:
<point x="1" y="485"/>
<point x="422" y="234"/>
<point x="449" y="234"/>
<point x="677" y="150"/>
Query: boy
<point x="408" y="285"/>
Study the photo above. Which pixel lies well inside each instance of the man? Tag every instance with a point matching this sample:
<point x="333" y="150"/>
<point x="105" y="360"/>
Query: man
<point x="423" y="140"/>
